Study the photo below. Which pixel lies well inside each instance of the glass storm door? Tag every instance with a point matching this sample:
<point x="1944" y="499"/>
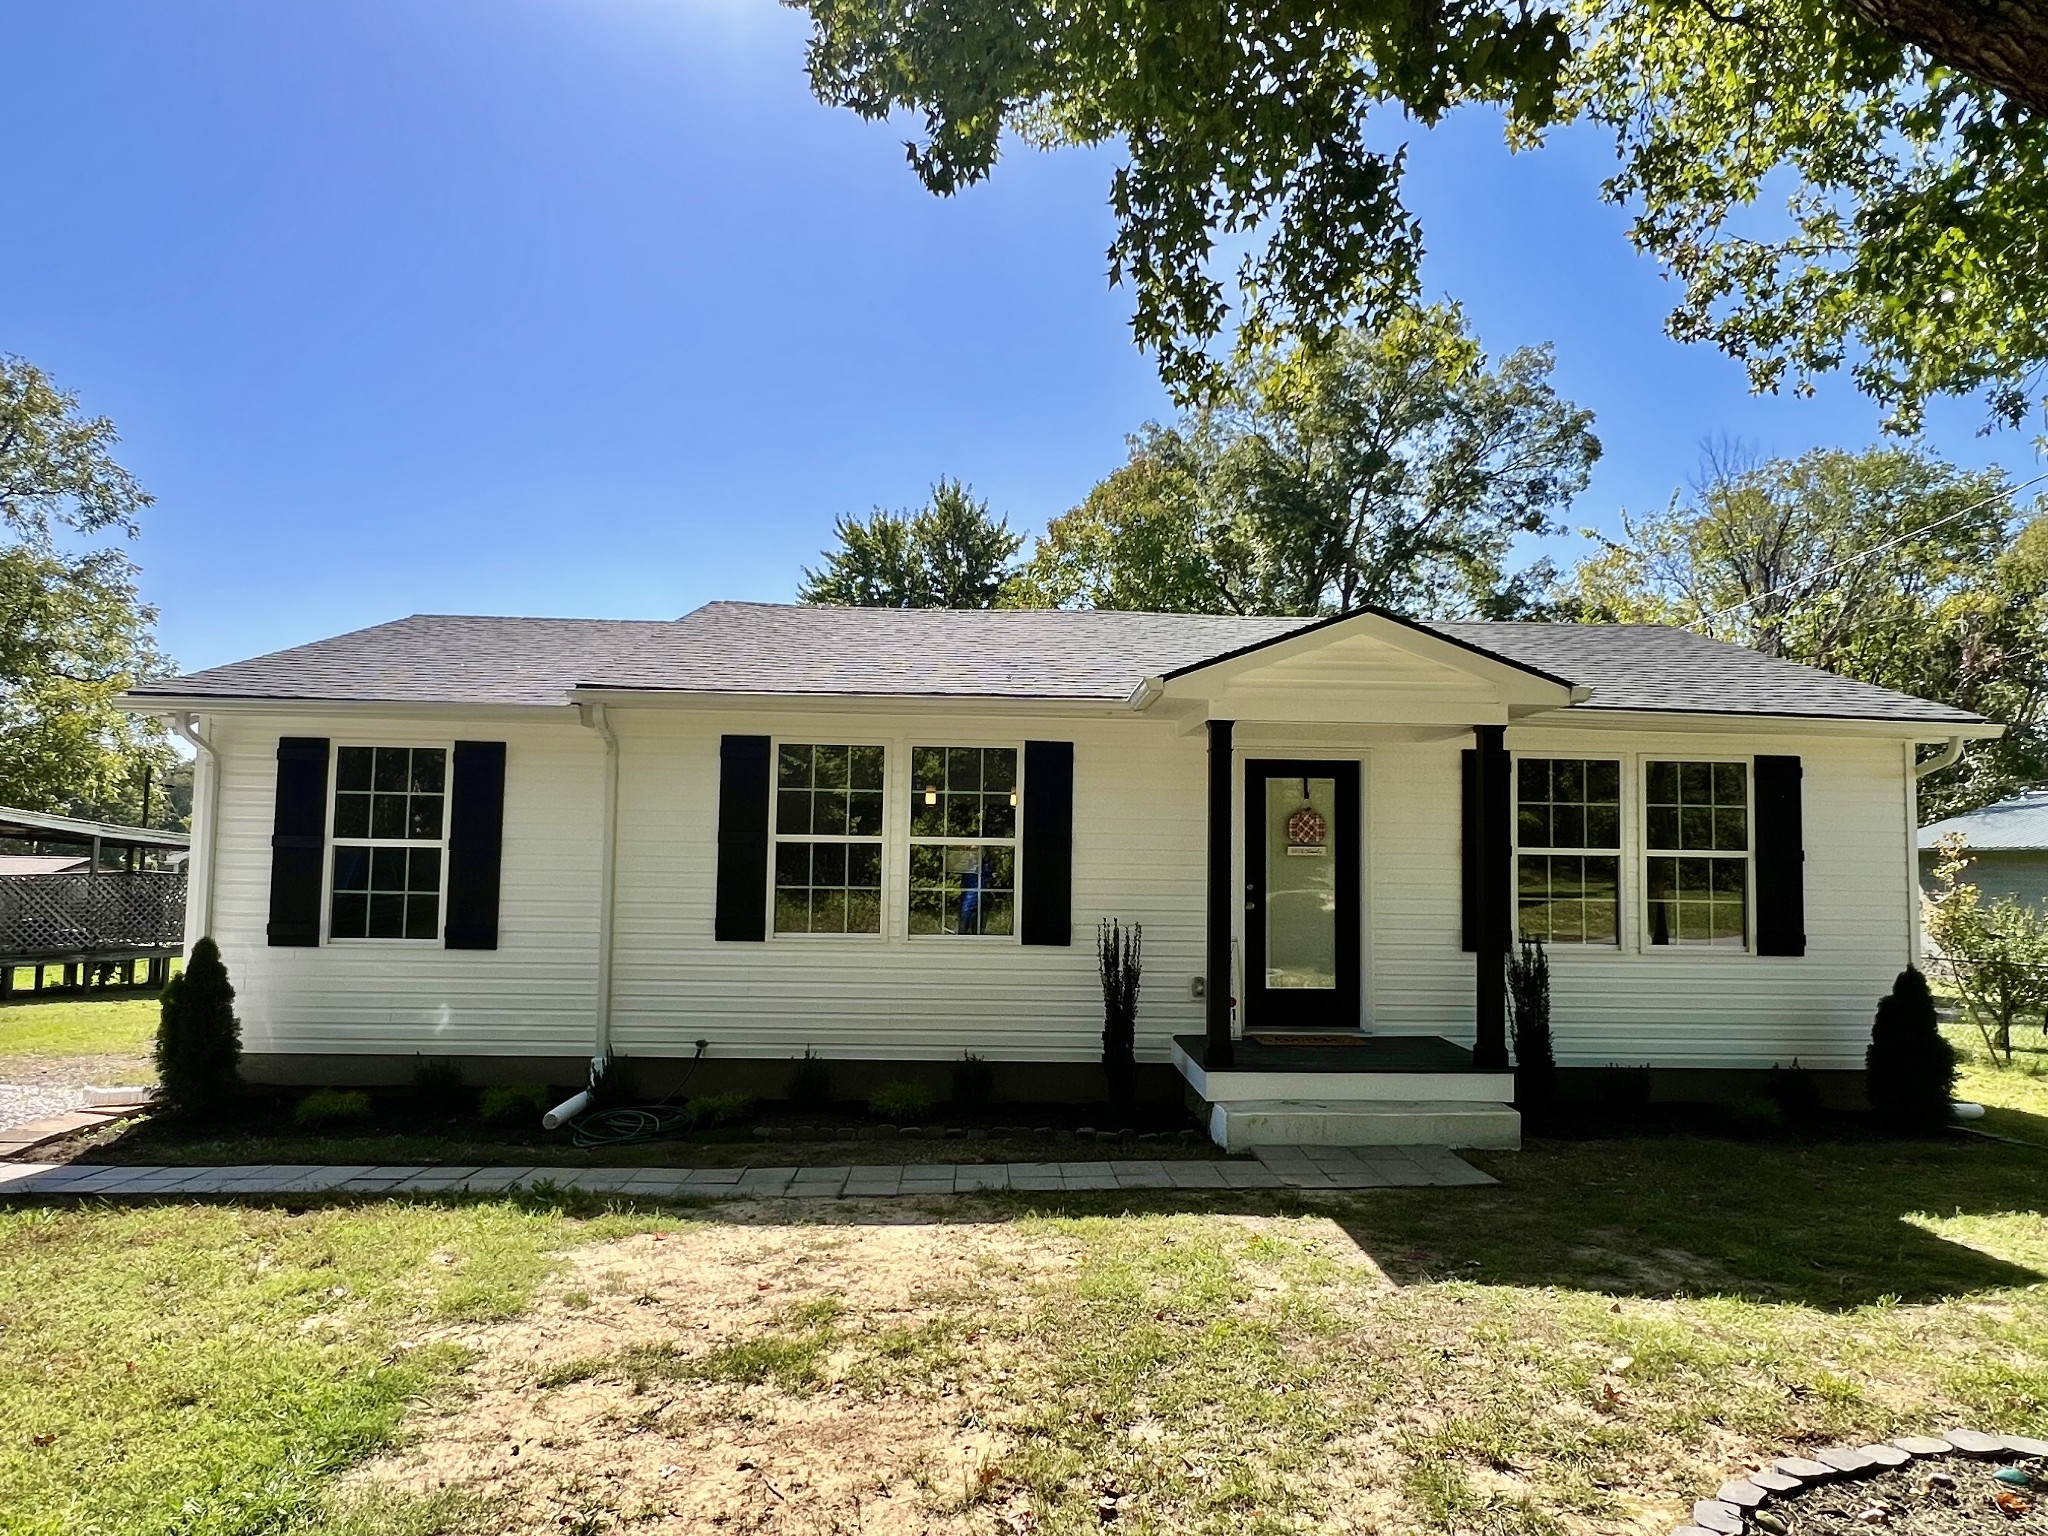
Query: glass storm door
<point x="1301" y="895"/>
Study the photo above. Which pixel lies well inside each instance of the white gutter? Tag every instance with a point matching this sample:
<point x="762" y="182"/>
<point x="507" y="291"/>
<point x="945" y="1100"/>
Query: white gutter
<point x="593" y="715"/>
<point x="1947" y="757"/>
<point x="1147" y="693"/>
<point x="206" y="813"/>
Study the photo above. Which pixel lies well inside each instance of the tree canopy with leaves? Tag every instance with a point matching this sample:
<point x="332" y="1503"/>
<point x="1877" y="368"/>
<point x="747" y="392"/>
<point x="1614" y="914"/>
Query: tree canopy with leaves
<point x="74" y="631"/>
<point x="950" y="553"/>
<point x="1888" y="566"/>
<point x="1912" y="135"/>
<point x="1393" y="469"/>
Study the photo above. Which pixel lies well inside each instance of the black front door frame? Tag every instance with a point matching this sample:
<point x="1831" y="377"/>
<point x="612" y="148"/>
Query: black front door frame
<point x="1291" y="1008"/>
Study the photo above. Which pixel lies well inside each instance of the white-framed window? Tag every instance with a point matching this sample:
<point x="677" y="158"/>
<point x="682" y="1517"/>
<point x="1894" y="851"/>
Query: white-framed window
<point x="829" y="816"/>
<point x="388" y="843"/>
<point x="1696" y="853"/>
<point x="963" y="816"/>
<point x="1568" y="849"/>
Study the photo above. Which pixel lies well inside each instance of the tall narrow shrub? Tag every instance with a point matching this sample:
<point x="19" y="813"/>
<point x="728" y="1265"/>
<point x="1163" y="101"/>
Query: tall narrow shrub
<point x="1529" y="1000"/>
<point x="1119" y="955"/>
<point x="198" y="1037"/>
<point x="1909" y="1071"/>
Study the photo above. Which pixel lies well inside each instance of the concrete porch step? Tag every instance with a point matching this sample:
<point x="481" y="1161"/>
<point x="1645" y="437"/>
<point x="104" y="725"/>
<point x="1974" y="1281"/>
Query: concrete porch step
<point x="1337" y="1075"/>
<point x="1239" y="1124"/>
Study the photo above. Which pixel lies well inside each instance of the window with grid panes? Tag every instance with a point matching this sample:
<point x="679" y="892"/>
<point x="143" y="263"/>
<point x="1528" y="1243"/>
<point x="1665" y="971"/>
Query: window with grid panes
<point x="963" y="840"/>
<point x="1568" y="849"/>
<point x="390" y="825"/>
<point x="1696" y="853"/>
<point x="828" y="838"/>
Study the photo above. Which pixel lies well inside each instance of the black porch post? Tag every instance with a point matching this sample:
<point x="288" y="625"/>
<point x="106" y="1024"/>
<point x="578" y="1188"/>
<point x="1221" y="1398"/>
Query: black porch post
<point x="1222" y="838"/>
<point x="1493" y="927"/>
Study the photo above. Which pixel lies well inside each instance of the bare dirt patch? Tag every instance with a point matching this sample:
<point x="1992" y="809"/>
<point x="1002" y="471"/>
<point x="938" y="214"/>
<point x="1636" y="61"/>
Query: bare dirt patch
<point x="631" y="1395"/>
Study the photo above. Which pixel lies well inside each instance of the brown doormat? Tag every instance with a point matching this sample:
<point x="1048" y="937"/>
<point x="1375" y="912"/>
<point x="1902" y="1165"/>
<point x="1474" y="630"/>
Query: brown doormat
<point x="1349" y="1040"/>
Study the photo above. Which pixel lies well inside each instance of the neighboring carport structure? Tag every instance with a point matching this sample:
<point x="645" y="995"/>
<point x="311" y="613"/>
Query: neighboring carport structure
<point x="123" y="910"/>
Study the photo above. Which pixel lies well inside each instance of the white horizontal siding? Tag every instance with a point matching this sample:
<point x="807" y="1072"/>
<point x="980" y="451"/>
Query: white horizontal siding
<point x="1138" y="857"/>
<point x="1635" y="1003"/>
<point x="533" y="995"/>
<point x="1140" y="822"/>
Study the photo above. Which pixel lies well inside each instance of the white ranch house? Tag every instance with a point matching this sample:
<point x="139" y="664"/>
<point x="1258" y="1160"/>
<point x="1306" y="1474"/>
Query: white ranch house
<point x="889" y="836"/>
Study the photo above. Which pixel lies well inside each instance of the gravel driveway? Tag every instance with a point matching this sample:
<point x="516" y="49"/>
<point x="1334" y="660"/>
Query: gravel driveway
<point x="37" y="1087"/>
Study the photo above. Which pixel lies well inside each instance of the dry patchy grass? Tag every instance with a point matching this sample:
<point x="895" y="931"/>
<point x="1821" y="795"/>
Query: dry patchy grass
<point x="1584" y="1350"/>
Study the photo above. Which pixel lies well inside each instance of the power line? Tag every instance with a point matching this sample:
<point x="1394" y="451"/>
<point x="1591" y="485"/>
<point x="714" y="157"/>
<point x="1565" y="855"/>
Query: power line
<point x="1878" y="549"/>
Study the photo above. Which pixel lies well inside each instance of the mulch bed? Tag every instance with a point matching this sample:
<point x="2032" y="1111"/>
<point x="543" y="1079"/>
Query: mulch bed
<point x="1944" y="1496"/>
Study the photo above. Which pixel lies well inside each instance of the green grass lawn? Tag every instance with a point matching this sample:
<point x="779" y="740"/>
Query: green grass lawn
<point x="2015" y="1095"/>
<point x="1585" y="1348"/>
<point x="87" y="1026"/>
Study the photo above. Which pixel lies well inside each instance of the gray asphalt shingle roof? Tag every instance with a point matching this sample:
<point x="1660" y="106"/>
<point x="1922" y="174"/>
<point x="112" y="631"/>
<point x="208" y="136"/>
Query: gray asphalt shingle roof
<point x="764" y="648"/>
<point x="2018" y="823"/>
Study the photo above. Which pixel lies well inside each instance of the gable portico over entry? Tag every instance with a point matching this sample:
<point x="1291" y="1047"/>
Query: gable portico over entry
<point x="888" y="837"/>
<point x="1286" y="877"/>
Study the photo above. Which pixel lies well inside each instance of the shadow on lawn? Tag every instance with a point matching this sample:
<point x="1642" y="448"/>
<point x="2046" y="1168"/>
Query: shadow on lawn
<point x="1819" y="1223"/>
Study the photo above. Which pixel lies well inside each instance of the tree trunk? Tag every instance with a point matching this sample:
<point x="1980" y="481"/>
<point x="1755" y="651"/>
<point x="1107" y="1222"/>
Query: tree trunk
<point x="2003" y="43"/>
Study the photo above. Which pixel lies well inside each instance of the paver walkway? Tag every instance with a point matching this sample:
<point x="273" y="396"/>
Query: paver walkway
<point x="1272" y="1168"/>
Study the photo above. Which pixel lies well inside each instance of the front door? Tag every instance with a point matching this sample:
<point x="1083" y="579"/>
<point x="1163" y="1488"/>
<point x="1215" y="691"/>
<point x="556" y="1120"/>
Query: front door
<point x="1301" y="895"/>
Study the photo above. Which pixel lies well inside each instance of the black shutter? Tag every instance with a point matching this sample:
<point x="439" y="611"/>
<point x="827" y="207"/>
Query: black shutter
<point x="742" y="839"/>
<point x="1468" y="846"/>
<point x="476" y="840"/>
<point x="298" y="842"/>
<point x="1780" y="858"/>
<point x="1047" y="893"/>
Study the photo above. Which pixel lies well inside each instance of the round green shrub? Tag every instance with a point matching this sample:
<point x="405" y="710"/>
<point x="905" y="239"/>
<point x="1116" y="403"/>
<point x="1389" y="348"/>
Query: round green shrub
<point x="331" y="1109"/>
<point x="716" y="1109"/>
<point x="906" y="1101"/>
<point x="514" y="1105"/>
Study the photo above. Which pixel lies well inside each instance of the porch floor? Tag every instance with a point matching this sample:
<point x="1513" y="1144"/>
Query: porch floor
<point x="1343" y="1053"/>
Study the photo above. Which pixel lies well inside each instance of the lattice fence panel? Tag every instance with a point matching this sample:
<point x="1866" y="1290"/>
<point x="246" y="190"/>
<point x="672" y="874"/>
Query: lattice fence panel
<point x="80" y="914"/>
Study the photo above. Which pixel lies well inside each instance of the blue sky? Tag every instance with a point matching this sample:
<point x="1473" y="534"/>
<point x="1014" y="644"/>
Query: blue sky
<point x="587" y="307"/>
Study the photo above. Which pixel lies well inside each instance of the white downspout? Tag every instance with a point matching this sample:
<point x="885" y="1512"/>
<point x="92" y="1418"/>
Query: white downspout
<point x="593" y="716"/>
<point x="1947" y="757"/>
<point x="206" y="815"/>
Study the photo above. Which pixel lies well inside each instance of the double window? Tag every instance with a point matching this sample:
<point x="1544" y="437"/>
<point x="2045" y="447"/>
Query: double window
<point x="390" y="842"/>
<point x="958" y="835"/>
<point x="1568" y="849"/>
<point x="828" y="838"/>
<point x="1696" y="851"/>
<point x="963" y="840"/>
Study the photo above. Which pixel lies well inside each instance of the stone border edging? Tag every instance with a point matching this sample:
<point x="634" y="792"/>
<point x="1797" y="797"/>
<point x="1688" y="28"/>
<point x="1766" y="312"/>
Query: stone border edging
<point x="1734" y="1508"/>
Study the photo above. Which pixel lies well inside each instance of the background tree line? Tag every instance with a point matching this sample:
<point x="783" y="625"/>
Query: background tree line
<point x="74" y="631"/>
<point x="1405" y="469"/>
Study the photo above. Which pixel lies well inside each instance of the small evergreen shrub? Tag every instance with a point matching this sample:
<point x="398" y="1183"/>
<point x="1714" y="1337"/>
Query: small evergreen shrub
<point x="1624" y="1090"/>
<point x="1119" y="960"/>
<point x="1529" y="1003"/>
<point x="1909" y="1071"/>
<point x="613" y="1083"/>
<point x="331" y="1109"/>
<point x="198" y="1037"/>
<point x="1753" y="1114"/>
<point x="514" y="1105"/>
<point x="810" y="1083"/>
<point x="712" y="1110"/>
<point x="1793" y="1090"/>
<point x="902" y="1102"/>
<point x="974" y="1082"/>
<point x="437" y="1086"/>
